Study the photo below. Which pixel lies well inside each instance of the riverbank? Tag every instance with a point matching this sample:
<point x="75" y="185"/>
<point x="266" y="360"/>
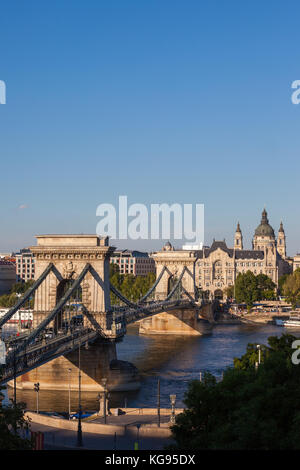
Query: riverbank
<point x="265" y="318"/>
<point x="146" y="419"/>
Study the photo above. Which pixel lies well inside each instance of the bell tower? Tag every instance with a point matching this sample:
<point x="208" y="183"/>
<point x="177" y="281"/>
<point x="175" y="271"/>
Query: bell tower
<point x="238" y="238"/>
<point x="281" y="242"/>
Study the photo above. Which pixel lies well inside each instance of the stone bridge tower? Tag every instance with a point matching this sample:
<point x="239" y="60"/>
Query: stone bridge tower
<point x="69" y="254"/>
<point x="175" y="261"/>
<point x="187" y="320"/>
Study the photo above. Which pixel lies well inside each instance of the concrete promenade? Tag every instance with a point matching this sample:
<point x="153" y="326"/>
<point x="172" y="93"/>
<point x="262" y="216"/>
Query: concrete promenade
<point x="120" y="432"/>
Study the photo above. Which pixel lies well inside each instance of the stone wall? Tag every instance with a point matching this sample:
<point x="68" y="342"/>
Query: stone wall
<point x="98" y="361"/>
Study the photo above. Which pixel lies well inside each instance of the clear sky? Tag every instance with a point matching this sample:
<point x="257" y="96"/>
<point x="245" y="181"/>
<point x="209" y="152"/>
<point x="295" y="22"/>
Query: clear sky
<point x="162" y="101"/>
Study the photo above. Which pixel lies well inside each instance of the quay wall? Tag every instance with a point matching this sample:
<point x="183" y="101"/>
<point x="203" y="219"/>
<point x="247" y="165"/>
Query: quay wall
<point x="108" y="429"/>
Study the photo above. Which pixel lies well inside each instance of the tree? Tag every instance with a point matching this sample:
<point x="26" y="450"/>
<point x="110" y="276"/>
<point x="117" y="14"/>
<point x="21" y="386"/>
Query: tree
<point x="11" y="419"/>
<point x="21" y="287"/>
<point x="281" y="282"/>
<point x="266" y="287"/>
<point x="291" y="288"/>
<point x="246" y="289"/>
<point x="250" y="288"/>
<point x="250" y="408"/>
<point x="132" y="287"/>
<point x="229" y="292"/>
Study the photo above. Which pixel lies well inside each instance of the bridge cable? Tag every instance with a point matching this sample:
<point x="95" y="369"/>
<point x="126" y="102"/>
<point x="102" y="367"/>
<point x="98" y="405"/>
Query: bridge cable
<point x="27" y="294"/>
<point x="176" y="285"/>
<point x="55" y="311"/>
<point x="154" y="285"/>
<point x="122" y="297"/>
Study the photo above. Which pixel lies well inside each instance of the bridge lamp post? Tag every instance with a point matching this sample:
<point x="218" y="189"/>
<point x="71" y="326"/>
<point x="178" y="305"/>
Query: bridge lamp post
<point x="69" y="373"/>
<point x="99" y="400"/>
<point x="259" y="356"/>
<point x="173" y="402"/>
<point x="15" y="388"/>
<point x="37" y="389"/>
<point x="158" y="402"/>
<point x="104" y="382"/>
<point x="79" y="429"/>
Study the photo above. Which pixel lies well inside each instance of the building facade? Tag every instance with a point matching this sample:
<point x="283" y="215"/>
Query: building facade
<point x="218" y="266"/>
<point x="296" y="262"/>
<point x="133" y="262"/>
<point x="25" y="265"/>
<point x="7" y="276"/>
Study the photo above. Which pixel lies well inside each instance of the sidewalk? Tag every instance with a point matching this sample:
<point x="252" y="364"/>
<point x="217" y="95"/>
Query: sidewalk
<point x="120" y="432"/>
<point x="62" y="439"/>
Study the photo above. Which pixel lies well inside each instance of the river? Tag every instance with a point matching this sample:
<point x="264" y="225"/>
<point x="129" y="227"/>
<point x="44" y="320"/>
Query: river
<point x="174" y="360"/>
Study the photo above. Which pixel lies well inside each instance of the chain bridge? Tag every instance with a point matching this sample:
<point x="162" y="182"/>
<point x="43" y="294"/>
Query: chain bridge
<point x="72" y="308"/>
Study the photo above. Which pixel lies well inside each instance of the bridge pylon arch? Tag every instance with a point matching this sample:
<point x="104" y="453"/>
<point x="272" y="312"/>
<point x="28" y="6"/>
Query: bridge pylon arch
<point x="70" y="254"/>
<point x="174" y="262"/>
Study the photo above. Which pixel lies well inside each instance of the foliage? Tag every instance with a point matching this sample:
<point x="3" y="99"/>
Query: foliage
<point x="281" y="282"/>
<point x="250" y="288"/>
<point x="132" y="287"/>
<point x="21" y="287"/>
<point x="249" y="408"/>
<point x="291" y="288"/>
<point x="246" y="289"/>
<point x="229" y="292"/>
<point x="9" y="300"/>
<point x="12" y="422"/>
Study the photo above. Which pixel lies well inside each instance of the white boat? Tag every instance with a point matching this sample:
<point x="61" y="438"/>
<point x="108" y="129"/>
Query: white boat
<point x="292" y="322"/>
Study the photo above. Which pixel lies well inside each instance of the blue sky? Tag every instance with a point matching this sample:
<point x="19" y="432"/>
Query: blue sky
<point x="173" y="101"/>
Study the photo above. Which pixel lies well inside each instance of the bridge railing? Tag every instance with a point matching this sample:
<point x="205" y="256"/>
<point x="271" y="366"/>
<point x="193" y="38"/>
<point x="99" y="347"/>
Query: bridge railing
<point x="41" y="352"/>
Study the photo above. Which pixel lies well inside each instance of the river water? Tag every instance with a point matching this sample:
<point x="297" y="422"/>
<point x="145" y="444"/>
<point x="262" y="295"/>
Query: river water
<point x="174" y="360"/>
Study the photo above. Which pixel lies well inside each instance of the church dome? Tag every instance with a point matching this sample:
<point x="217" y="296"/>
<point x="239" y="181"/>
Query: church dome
<point x="264" y="229"/>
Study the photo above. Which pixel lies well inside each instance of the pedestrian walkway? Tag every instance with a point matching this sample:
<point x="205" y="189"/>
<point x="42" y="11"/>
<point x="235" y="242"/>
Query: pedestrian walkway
<point x="55" y="438"/>
<point x="132" y="420"/>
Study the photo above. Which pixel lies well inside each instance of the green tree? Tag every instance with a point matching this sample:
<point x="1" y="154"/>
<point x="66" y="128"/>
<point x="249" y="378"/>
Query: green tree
<point x="12" y="421"/>
<point x="229" y="292"/>
<point x="21" y="287"/>
<point x="266" y="287"/>
<point x="291" y="288"/>
<point x="132" y="287"/>
<point x="249" y="408"/>
<point x="246" y="289"/>
<point x="281" y="282"/>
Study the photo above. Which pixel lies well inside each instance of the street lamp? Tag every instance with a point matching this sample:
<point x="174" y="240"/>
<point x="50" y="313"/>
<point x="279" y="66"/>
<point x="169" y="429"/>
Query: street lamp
<point x="79" y="430"/>
<point x="37" y="389"/>
<point x="99" y="397"/>
<point x="259" y="356"/>
<point x="104" y="382"/>
<point x="259" y="353"/>
<point x="137" y="437"/>
<point x="158" y="402"/>
<point x="69" y="372"/>
<point x="173" y="401"/>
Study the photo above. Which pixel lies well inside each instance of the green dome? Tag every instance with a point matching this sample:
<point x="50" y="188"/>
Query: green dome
<point x="264" y="229"/>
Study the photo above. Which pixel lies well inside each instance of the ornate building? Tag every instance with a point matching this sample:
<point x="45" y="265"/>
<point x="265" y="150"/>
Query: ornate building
<point x="218" y="266"/>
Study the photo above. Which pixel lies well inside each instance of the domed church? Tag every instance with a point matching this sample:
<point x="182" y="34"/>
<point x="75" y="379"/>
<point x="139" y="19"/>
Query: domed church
<point x="218" y="266"/>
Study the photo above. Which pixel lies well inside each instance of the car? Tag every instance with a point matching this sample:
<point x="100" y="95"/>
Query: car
<point x="49" y="334"/>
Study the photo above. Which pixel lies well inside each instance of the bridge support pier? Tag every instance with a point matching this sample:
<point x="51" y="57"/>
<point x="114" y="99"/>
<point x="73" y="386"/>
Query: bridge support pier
<point x="98" y="361"/>
<point x="181" y="321"/>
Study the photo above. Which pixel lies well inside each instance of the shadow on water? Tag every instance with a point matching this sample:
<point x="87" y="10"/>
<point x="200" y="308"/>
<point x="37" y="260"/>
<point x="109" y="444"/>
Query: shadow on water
<point x="175" y="360"/>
